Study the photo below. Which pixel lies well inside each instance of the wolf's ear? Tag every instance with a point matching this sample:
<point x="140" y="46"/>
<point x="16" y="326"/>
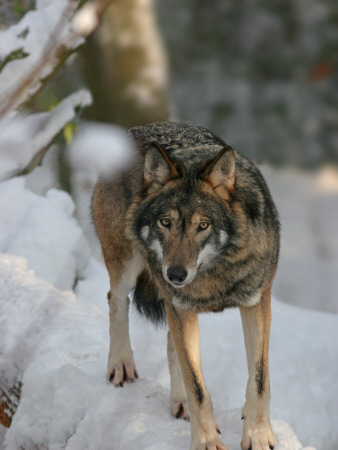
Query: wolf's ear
<point x="220" y="171"/>
<point x="158" y="167"/>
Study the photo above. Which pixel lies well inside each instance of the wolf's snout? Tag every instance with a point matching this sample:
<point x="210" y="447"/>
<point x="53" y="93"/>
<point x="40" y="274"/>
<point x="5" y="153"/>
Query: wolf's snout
<point x="177" y="274"/>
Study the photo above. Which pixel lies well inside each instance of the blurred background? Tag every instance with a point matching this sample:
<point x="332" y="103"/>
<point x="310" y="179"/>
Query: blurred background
<point x="261" y="74"/>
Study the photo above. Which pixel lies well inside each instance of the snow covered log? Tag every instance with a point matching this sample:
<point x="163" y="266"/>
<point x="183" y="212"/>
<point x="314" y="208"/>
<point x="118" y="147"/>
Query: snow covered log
<point x="31" y="312"/>
<point x="48" y="223"/>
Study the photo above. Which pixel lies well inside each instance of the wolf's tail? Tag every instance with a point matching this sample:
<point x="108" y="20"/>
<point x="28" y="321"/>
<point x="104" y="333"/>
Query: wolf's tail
<point x="147" y="300"/>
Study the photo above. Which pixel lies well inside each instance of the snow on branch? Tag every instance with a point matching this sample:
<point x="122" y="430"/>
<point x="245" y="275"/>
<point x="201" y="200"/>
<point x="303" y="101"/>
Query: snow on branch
<point x="31" y="51"/>
<point x="41" y="42"/>
<point x="25" y="139"/>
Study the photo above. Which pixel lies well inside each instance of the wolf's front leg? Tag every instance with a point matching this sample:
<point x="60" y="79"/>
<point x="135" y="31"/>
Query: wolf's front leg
<point x="121" y="365"/>
<point x="184" y="332"/>
<point x="257" y="431"/>
<point x="178" y="395"/>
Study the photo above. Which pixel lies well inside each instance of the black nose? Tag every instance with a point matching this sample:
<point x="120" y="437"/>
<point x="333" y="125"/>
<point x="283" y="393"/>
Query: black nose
<point x="177" y="274"/>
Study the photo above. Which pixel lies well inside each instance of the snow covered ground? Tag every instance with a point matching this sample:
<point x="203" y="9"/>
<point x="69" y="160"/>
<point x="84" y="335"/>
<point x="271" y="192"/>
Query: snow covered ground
<point x="57" y="341"/>
<point x="308" y="207"/>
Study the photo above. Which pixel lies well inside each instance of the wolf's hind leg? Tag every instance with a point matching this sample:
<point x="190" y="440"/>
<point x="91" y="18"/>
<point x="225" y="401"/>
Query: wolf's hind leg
<point x="178" y="394"/>
<point x="257" y="432"/>
<point x="121" y="364"/>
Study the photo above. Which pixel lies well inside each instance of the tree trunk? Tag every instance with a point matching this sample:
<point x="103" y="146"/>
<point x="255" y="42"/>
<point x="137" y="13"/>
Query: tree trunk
<point x="125" y="67"/>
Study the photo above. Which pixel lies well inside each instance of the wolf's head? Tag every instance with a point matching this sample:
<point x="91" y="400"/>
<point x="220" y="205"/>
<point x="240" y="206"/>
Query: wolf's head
<point x="184" y="221"/>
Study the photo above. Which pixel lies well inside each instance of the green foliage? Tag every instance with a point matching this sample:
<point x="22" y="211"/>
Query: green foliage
<point x="68" y="132"/>
<point x="47" y="99"/>
<point x="11" y="11"/>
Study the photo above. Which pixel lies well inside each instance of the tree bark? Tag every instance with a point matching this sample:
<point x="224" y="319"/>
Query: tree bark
<point x="9" y="400"/>
<point x="125" y="66"/>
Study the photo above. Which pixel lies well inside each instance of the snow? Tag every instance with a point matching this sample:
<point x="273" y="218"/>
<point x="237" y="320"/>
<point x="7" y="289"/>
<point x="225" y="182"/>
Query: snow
<point x="42" y="229"/>
<point x="64" y="393"/>
<point x="22" y="137"/>
<point x="67" y="404"/>
<point x="308" y="208"/>
<point x="32" y="36"/>
<point x="56" y="341"/>
<point x="85" y="20"/>
<point x="101" y="148"/>
<point x="97" y="150"/>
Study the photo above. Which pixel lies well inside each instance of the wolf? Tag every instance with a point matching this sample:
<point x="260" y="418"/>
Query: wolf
<point x="191" y="227"/>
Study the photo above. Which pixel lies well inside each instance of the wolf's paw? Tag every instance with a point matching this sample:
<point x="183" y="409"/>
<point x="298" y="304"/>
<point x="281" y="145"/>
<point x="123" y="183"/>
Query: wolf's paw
<point x="179" y="409"/>
<point x="215" y="444"/>
<point x="120" y="372"/>
<point x="257" y="436"/>
<point x="210" y="441"/>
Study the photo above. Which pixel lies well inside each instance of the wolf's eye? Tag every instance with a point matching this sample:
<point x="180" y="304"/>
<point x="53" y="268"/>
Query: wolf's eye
<point x="165" y="222"/>
<point x="203" y="226"/>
